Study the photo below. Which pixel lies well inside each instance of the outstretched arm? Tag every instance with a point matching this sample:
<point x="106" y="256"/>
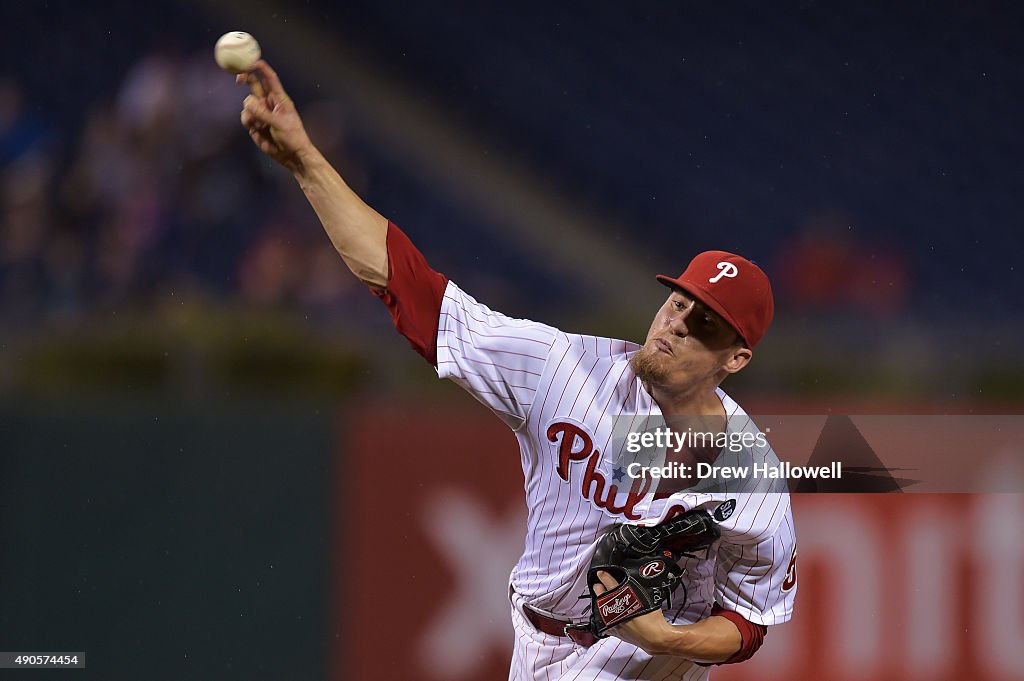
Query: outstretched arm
<point x="358" y="232"/>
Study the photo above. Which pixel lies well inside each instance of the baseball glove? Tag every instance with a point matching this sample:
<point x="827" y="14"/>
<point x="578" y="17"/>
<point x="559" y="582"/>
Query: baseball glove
<point x="644" y="562"/>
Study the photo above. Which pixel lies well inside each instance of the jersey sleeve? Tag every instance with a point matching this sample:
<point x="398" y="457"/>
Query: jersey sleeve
<point x="496" y="358"/>
<point x="758" y="581"/>
<point x="751" y="635"/>
<point x="413" y="294"/>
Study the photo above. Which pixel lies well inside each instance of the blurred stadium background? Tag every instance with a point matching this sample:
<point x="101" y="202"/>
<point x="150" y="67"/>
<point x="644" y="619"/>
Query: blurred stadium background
<point x="217" y="460"/>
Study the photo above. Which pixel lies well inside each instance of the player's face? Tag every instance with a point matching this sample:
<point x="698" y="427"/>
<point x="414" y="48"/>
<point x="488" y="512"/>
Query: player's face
<point x="689" y="344"/>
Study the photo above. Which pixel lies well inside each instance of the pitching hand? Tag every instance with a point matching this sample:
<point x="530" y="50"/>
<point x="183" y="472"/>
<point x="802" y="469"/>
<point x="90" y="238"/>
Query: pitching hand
<point x="648" y="632"/>
<point x="270" y="117"/>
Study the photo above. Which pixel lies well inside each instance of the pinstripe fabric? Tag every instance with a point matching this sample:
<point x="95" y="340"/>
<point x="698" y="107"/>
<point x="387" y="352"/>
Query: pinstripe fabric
<point x="560" y="393"/>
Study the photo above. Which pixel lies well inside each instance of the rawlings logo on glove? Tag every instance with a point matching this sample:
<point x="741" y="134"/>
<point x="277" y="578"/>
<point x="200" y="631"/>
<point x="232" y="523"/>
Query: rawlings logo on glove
<point x="644" y="562"/>
<point x="620" y="607"/>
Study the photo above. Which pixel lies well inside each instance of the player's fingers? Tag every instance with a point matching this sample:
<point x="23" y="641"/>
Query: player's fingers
<point x="250" y="119"/>
<point x="268" y="147"/>
<point x="263" y="141"/>
<point x="256" y="87"/>
<point x="606" y="579"/>
<point x="257" y="111"/>
<point x="278" y="101"/>
<point x="250" y="124"/>
<point x="270" y="80"/>
<point x="251" y="79"/>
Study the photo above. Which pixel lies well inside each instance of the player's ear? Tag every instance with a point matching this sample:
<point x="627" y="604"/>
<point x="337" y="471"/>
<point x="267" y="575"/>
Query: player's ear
<point x="739" y="356"/>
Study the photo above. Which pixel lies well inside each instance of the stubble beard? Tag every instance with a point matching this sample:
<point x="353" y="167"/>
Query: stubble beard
<point x="648" y="366"/>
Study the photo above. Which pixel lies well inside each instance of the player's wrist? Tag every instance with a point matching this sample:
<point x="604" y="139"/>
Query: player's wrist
<point x="671" y="640"/>
<point x="307" y="163"/>
<point x="657" y="640"/>
<point x="695" y="642"/>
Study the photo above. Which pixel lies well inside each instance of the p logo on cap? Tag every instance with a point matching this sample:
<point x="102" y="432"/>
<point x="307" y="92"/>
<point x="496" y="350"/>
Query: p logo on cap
<point x="732" y="286"/>
<point x="727" y="270"/>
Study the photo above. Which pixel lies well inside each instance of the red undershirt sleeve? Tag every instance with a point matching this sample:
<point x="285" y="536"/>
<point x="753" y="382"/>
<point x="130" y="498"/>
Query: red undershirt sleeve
<point x="751" y="635"/>
<point x="413" y="295"/>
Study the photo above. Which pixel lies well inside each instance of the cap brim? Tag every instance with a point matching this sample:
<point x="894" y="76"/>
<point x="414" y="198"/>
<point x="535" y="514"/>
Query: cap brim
<point x="704" y="297"/>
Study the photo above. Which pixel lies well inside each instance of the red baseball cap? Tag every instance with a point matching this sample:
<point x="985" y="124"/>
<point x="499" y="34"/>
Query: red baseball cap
<point x="732" y="286"/>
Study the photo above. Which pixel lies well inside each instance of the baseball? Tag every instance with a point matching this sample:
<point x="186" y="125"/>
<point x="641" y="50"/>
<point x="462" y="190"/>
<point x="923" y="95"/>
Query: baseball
<point x="236" y="52"/>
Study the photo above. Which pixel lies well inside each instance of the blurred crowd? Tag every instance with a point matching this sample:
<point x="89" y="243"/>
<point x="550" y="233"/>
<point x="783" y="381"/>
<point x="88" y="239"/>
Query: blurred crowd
<point x="158" y="196"/>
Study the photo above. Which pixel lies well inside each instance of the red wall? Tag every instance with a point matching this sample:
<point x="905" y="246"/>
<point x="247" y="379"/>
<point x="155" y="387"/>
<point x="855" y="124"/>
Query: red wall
<point x="903" y="586"/>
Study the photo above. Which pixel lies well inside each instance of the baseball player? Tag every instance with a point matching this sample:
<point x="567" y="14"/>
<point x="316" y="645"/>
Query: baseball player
<point x="564" y="396"/>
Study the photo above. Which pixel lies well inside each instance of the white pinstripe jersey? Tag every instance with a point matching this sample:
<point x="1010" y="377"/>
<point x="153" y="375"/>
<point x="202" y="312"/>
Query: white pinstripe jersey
<point x="560" y="394"/>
